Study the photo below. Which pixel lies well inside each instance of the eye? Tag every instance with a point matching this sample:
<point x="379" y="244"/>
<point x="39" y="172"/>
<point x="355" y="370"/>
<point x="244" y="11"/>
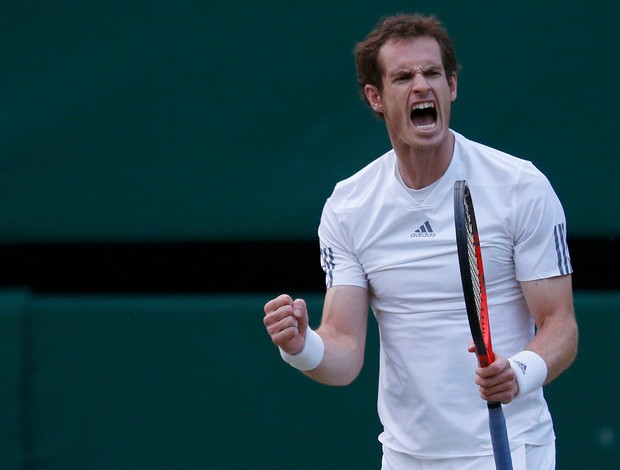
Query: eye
<point x="402" y="77"/>
<point x="433" y="72"/>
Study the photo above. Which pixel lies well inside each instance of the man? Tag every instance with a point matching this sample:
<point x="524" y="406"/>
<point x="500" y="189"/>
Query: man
<point x="387" y="242"/>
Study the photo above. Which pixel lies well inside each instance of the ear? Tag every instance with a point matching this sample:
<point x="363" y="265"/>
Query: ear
<point x="374" y="98"/>
<point x="453" y="86"/>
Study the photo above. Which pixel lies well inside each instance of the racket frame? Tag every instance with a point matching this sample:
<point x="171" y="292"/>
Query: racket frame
<point x="472" y="276"/>
<point x="468" y="245"/>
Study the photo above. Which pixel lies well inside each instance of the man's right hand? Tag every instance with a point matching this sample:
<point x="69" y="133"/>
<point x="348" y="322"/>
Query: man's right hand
<point x="286" y="321"/>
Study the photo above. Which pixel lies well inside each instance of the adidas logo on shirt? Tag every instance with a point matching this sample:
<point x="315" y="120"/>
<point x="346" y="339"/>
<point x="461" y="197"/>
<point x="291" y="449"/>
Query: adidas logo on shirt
<point x="425" y="230"/>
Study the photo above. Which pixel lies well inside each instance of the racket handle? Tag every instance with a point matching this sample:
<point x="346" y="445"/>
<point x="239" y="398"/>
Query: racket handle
<point x="499" y="436"/>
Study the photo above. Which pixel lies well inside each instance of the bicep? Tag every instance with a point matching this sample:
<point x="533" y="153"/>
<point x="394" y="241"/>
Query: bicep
<point x="551" y="297"/>
<point x="345" y="312"/>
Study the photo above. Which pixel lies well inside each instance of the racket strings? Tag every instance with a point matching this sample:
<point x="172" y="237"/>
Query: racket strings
<point x="477" y="276"/>
<point x="473" y="261"/>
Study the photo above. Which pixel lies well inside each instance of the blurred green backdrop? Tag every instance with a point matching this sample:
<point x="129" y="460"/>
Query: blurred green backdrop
<point x="194" y="383"/>
<point x="181" y="121"/>
<point x="194" y="120"/>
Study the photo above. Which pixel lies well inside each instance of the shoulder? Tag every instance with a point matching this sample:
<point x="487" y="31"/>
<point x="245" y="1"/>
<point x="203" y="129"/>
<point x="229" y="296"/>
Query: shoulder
<point x="359" y="187"/>
<point x="489" y="165"/>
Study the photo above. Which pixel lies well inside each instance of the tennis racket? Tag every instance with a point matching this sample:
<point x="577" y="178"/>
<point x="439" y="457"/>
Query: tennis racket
<point x="474" y="291"/>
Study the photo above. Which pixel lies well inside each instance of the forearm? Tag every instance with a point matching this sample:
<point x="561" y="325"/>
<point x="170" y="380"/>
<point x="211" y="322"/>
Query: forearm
<point x="556" y="342"/>
<point x="334" y="353"/>
<point x="342" y="360"/>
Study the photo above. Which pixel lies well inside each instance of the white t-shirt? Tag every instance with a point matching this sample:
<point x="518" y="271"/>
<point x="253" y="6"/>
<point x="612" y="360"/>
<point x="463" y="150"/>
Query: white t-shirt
<point x="375" y="234"/>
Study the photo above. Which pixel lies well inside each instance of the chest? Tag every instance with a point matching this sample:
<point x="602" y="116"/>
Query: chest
<point x="410" y="259"/>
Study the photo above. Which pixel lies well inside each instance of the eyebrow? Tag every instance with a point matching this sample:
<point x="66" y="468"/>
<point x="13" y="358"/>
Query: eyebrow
<point x="423" y="69"/>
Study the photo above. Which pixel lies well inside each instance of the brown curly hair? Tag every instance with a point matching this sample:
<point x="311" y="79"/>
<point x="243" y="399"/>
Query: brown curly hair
<point x="399" y="27"/>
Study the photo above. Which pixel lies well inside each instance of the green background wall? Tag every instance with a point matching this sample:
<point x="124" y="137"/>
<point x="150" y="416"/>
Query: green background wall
<point x="194" y="383"/>
<point x="205" y="120"/>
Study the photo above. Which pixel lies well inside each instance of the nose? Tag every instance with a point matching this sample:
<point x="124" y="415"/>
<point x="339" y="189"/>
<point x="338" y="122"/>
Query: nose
<point x="420" y="85"/>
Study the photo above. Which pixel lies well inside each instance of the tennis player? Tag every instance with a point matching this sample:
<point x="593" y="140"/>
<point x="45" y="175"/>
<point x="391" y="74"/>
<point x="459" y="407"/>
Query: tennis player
<point x="387" y="242"/>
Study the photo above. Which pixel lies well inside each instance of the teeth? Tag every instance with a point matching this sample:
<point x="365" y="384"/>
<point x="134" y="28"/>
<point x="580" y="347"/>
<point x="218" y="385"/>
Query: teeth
<point x="424" y="105"/>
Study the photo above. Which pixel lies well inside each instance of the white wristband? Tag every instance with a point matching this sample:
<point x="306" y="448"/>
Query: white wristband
<point x="530" y="369"/>
<point x="310" y="356"/>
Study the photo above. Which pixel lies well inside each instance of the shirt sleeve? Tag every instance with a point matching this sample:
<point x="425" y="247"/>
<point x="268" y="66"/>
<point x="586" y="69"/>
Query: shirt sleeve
<point x="541" y="250"/>
<point x="338" y="259"/>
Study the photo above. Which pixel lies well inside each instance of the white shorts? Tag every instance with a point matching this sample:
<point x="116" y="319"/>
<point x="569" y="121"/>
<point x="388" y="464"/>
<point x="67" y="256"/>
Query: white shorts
<point x="526" y="457"/>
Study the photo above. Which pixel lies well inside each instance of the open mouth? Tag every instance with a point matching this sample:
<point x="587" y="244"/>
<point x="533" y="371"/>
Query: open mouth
<point x="424" y="116"/>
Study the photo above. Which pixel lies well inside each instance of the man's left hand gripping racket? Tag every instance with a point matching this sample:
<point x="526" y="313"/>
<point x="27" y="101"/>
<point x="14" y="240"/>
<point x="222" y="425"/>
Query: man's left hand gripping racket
<point x="474" y="290"/>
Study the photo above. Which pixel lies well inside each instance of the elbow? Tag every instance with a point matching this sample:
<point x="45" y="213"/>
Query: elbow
<point x="349" y="378"/>
<point x="575" y="348"/>
<point x="354" y="367"/>
<point x="339" y="376"/>
<point x="571" y="350"/>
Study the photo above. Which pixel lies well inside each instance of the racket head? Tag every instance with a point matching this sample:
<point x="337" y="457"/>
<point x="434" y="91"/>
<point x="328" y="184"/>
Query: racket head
<point x="472" y="272"/>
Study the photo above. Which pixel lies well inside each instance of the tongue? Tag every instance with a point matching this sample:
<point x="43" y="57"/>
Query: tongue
<point x="422" y="120"/>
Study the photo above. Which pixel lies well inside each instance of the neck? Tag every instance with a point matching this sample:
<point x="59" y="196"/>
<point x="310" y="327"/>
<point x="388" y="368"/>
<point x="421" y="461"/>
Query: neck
<point x="420" y="167"/>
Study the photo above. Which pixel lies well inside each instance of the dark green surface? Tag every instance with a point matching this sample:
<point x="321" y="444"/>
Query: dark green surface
<point x="582" y="399"/>
<point x="13" y="409"/>
<point x="129" y="383"/>
<point x="193" y="382"/>
<point x="218" y="120"/>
